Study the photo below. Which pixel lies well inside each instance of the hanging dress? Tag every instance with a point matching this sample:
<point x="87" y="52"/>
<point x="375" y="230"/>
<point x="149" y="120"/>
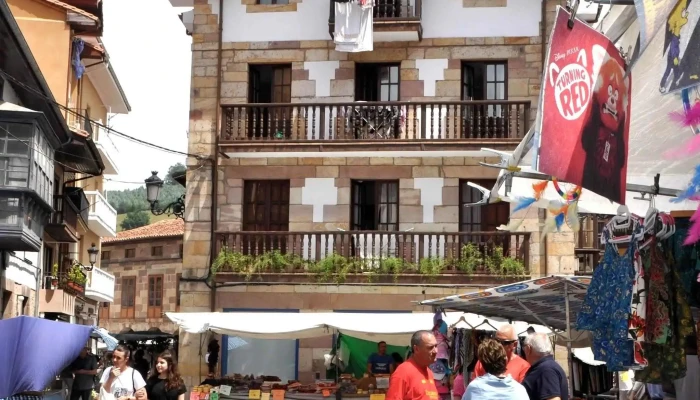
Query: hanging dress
<point x="606" y="310"/>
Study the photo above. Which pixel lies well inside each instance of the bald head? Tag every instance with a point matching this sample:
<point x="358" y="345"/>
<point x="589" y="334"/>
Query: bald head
<point x="506" y="332"/>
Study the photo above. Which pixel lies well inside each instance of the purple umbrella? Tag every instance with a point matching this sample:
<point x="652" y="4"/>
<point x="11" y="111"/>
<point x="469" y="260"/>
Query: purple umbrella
<point x="35" y="350"/>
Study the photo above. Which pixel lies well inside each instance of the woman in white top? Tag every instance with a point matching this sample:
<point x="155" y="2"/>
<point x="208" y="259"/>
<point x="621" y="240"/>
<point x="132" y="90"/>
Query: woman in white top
<point x="121" y="381"/>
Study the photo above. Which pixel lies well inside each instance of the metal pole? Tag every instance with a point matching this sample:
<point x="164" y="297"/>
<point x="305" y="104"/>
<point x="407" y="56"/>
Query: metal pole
<point x="568" y="341"/>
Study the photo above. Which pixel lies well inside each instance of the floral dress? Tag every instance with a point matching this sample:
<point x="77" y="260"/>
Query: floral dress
<point x="606" y="310"/>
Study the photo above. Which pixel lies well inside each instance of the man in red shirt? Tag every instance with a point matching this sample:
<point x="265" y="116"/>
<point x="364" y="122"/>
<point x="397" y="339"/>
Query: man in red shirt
<point x="516" y="367"/>
<point x="413" y="379"/>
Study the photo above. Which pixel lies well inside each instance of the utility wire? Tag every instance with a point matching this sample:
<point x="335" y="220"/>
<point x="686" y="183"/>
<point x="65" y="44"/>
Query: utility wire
<point x="120" y="134"/>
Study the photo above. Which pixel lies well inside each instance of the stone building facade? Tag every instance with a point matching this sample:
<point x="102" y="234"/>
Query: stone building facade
<point x="147" y="264"/>
<point x="304" y="156"/>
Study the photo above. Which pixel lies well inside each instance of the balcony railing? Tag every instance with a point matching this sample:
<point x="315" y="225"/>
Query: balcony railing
<point x="78" y="119"/>
<point x="100" y="286"/>
<point x="361" y="252"/>
<point x="389" y="10"/>
<point x="390" y="15"/>
<point x="376" y="121"/>
<point x="102" y="216"/>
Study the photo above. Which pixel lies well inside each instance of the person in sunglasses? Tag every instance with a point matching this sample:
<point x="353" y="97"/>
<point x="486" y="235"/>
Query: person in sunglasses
<point x="517" y="367"/>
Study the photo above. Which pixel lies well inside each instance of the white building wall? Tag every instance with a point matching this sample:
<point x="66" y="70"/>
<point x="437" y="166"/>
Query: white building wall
<point x="441" y="19"/>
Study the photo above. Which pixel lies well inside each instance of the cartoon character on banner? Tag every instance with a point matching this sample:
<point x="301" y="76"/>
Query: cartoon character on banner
<point x="672" y="46"/>
<point x="603" y="136"/>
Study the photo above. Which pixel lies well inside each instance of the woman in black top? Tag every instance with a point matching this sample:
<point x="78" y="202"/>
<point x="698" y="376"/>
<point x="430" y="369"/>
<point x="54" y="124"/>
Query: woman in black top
<point x="166" y="383"/>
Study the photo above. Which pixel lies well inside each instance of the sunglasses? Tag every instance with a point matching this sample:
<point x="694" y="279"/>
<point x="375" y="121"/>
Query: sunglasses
<point x="506" y="342"/>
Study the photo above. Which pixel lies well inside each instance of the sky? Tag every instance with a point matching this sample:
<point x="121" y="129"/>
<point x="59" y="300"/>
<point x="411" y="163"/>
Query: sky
<point x="151" y="55"/>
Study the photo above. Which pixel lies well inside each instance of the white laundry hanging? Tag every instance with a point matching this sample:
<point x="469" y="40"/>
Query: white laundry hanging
<point x="354" y="31"/>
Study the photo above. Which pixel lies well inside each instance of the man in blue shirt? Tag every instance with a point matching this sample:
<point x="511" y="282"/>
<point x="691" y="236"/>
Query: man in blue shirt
<point x="380" y="363"/>
<point x="545" y="380"/>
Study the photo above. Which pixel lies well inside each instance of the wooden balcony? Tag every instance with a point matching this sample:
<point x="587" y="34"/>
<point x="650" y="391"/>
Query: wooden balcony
<point x="393" y="20"/>
<point x="374" y="126"/>
<point x="371" y="256"/>
<point x="70" y="210"/>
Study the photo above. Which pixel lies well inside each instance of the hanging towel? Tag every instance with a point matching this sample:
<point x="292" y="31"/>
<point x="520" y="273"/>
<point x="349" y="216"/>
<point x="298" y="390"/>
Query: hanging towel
<point x="353" y="28"/>
<point x="78" y="68"/>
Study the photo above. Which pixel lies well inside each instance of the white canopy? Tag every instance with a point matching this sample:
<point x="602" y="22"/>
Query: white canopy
<point x="394" y="328"/>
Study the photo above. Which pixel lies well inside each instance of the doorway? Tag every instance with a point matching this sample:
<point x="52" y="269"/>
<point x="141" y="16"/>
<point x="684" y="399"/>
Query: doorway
<point x="270" y="84"/>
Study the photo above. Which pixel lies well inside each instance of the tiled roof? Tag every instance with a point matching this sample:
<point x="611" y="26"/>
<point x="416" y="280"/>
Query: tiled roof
<point x="164" y="228"/>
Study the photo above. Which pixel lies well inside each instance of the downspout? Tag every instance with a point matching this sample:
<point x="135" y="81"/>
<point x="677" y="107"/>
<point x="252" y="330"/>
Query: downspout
<point x="215" y="167"/>
<point x="543" y="33"/>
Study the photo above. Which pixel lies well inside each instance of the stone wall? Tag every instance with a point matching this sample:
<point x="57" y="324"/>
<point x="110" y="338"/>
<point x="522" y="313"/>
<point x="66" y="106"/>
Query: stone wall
<point x="440" y="175"/>
<point x="169" y="265"/>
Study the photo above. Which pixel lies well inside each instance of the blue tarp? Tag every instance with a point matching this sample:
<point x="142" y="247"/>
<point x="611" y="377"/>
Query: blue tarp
<point x="35" y="350"/>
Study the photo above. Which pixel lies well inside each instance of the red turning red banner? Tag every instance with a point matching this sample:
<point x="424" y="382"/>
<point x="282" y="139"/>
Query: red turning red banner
<point x="585" y="110"/>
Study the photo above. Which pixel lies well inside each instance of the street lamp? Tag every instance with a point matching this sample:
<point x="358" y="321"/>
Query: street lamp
<point x="92" y="253"/>
<point x="153" y="186"/>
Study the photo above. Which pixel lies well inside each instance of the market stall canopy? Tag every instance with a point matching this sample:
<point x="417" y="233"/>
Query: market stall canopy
<point x="537" y="301"/>
<point x="129" y="335"/>
<point x="110" y="342"/>
<point x="35" y="350"/>
<point x="394" y="328"/>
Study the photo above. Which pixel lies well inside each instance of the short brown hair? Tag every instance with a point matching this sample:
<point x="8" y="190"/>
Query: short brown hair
<point x="493" y="357"/>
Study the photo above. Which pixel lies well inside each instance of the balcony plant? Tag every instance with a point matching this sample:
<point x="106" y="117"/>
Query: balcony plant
<point x="76" y="279"/>
<point x="54" y="275"/>
<point x="497" y="264"/>
<point x="470" y="258"/>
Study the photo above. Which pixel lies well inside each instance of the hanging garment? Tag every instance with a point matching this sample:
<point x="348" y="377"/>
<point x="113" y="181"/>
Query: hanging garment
<point x="638" y="308"/>
<point x="468" y="350"/>
<point x="658" y="299"/>
<point x="667" y="362"/>
<point x="354" y="31"/>
<point x="688" y="264"/>
<point x="606" y="309"/>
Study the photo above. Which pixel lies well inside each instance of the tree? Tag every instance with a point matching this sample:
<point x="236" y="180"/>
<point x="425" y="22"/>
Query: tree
<point x="175" y="171"/>
<point x="135" y="219"/>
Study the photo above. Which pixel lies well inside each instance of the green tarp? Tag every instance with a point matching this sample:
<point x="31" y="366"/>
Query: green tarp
<point x="360" y="350"/>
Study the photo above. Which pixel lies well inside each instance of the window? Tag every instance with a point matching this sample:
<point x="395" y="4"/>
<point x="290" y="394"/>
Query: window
<point x="375" y="205"/>
<point x="157" y="251"/>
<point x="104" y="311"/>
<point x="270" y="84"/>
<point x="26" y="159"/>
<point x="482" y="218"/>
<point x="155" y="296"/>
<point x="484" y="81"/>
<point x="181" y="251"/>
<point x="48" y="260"/>
<point x="377" y="82"/>
<point x="105" y="255"/>
<point x="266" y="205"/>
<point x="588" y="248"/>
<point x="128" y="303"/>
<point x="129" y="253"/>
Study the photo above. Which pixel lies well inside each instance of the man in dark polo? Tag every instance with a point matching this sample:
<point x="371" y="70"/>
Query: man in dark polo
<point x="545" y="380"/>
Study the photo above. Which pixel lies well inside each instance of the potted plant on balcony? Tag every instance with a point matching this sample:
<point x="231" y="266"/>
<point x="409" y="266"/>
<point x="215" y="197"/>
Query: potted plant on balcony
<point x="54" y="275"/>
<point x="76" y="278"/>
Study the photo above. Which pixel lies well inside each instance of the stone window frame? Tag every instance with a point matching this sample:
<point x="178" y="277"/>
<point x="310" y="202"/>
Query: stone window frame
<point x="128" y="304"/>
<point x="254" y="6"/>
<point x="154" y="306"/>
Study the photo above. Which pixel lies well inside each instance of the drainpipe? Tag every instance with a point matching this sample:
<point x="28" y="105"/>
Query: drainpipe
<point x="543" y="32"/>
